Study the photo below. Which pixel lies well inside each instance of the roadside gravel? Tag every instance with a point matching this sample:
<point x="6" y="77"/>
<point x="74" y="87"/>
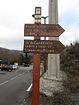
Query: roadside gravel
<point x="44" y="100"/>
<point x="56" y="99"/>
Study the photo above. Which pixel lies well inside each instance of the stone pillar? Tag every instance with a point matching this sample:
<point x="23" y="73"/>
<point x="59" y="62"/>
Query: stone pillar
<point x="53" y="59"/>
<point x="53" y="12"/>
<point x="51" y="81"/>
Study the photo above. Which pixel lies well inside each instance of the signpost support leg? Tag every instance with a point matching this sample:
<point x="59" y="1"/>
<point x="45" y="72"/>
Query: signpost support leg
<point x="36" y="79"/>
<point x="45" y="62"/>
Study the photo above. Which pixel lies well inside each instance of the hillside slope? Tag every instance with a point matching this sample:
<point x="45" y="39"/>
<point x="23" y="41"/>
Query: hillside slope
<point x="70" y="65"/>
<point x="9" y="55"/>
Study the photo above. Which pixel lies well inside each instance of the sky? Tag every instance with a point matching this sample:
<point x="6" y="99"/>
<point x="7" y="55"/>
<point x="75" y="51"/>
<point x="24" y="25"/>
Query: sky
<point x="15" y="13"/>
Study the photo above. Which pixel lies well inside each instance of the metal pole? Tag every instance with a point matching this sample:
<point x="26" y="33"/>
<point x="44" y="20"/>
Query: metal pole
<point x="46" y="55"/>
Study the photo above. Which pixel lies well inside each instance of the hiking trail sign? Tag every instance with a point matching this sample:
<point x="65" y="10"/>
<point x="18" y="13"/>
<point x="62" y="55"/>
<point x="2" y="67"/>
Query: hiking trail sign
<point x="43" y="30"/>
<point x="38" y="46"/>
<point x="43" y="46"/>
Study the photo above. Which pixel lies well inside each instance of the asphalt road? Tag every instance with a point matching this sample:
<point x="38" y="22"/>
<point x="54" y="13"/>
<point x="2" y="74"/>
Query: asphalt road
<point x="14" y="84"/>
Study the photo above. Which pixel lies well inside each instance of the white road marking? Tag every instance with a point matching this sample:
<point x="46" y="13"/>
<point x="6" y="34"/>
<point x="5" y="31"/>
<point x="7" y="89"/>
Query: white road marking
<point x="4" y="83"/>
<point x="10" y="79"/>
<point x="20" y="74"/>
<point x="29" y="88"/>
<point x="14" y="78"/>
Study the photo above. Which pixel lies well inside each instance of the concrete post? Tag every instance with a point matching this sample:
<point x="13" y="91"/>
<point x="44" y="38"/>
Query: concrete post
<point x="51" y="81"/>
<point x="53" y="12"/>
<point x="53" y="59"/>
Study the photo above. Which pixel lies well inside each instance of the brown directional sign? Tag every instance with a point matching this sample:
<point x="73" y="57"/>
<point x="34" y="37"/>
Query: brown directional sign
<point x="43" y="30"/>
<point x="43" y="46"/>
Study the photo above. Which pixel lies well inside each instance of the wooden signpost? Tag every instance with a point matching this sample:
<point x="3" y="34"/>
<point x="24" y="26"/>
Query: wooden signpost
<point x="44" y="30"/>
<point x="43" y="46"/>
<point x="38" y="46"/>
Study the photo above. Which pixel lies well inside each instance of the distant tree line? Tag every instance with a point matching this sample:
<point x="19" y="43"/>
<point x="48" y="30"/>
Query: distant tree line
<point x="11" y="56"/>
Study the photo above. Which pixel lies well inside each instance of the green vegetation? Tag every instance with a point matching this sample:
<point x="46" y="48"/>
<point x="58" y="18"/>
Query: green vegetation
<point x="70" y="65"/>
